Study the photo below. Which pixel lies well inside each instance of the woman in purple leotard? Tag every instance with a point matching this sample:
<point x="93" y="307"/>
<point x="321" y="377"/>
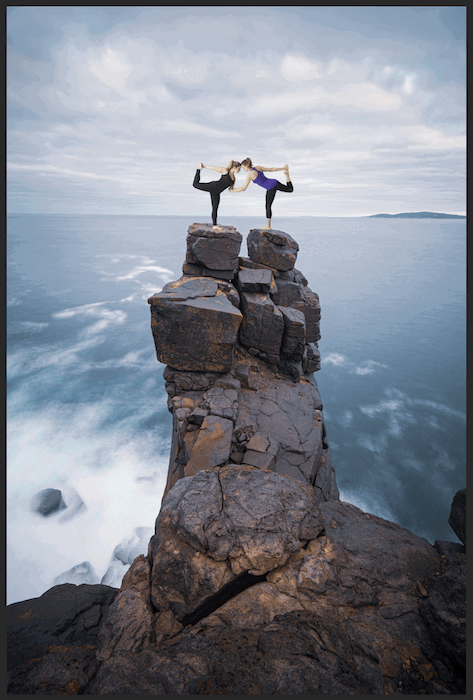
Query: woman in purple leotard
<point x="216" y="187"/>
<point x="255" y="174"/>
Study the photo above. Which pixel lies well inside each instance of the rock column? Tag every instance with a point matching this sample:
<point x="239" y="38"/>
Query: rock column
<point x="239" y="337"/>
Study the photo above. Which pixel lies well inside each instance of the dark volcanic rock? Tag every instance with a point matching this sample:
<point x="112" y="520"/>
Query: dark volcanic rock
<point x="195" y="325"/>
<point x="48" y="501"/>
<point x="64" y="615"/>
<point x="272" y="248"/>
<point x="260" y="280"/>
<point x="457" y="518"/>
<point x="293" y="342"/>
<point x="262" y="326"/>
<point x="216" y="250"/>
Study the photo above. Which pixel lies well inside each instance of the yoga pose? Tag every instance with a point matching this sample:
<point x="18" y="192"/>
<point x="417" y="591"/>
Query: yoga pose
<point x="271" y="186"/>
<point x="217" y="186"/>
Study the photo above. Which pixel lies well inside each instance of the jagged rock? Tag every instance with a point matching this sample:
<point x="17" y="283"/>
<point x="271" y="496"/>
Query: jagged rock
<point x="191" y="270"/>
<point x="215" y="250"/>
<point x="64" y="670"/>
<point x="212" y="445"/>
<point x="262" y="326"/>
<point x="252" y="265"/>
<point x="260" y="280"/>
<point x="449" y="549"/>
<point x="457" y="518"/>
<point x="81" y="573"/>
<point x="298" y="296"/>
<point x="444" y="612"/>
<point x="272" y="248"/>
<point x="311" y="359"/>
<point x="293" y="341"/>
<point x="131" y="621"/>
<point x="48" y="501"/>
<point x="195" y="325"/>
<point x="65" y="614"/>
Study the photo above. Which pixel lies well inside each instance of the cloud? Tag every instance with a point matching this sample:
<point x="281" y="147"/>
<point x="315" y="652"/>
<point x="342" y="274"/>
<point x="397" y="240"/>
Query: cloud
<point x="112" y="68"/>
<point x="297" y="68"/>
<point x="119" y="119"/>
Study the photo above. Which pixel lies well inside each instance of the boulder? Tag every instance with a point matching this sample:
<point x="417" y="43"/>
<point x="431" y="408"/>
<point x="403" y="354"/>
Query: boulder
<point x="457" y="518"/>
<point x="260" y="280"/>
<point x="272" y="248"/>
<point x="215" y="250"/>
<point x="81" y="573"/>
<point x="194" y="325"/>
<point x="47" y="502"/>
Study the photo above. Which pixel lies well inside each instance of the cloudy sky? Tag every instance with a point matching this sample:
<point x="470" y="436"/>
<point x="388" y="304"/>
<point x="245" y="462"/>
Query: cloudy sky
<point x="112" y="108"/>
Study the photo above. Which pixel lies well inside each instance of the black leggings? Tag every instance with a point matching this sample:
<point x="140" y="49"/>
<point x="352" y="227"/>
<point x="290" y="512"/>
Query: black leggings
<point x="215" y="188"/>
<point x="270" y="195"/>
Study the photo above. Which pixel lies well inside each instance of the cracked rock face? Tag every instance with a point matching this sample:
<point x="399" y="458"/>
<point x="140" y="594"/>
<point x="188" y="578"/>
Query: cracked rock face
<point x="254" y="378"/>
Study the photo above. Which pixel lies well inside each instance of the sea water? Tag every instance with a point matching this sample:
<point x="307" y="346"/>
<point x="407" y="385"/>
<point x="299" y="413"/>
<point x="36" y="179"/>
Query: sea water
<point x="86" y="405"/>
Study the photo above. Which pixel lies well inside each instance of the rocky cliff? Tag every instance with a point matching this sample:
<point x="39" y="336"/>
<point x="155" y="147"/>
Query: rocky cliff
<point x="258" y="579"/>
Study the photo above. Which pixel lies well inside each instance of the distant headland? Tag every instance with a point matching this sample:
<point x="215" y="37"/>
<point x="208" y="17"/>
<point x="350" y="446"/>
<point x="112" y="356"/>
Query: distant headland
<point x="417" y="215"/>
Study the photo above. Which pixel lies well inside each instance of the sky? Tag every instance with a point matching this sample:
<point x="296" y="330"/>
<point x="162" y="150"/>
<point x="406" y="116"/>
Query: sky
<point x="110" y="109"/>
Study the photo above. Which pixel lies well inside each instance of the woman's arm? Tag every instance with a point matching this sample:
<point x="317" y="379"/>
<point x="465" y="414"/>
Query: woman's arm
<point x="270" y="170"/>
<point x="251" y="176"/>
<point x="224" y="171"/>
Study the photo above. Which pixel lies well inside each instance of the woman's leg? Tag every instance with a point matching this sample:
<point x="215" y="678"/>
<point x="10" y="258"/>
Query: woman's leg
<point x="205" y="186"/>
<point x="215" y="197"/>
<point x="270" y="195"/>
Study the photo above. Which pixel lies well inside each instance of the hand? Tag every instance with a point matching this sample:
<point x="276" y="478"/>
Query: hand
<point x="201" y="165"/>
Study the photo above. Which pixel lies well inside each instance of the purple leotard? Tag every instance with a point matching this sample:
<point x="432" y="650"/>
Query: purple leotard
<point x="263" y="181"/>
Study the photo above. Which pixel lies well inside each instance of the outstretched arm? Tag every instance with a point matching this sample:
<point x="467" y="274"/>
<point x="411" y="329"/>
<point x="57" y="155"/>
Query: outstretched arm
<point x="216" y="168"/>
<point x="249" y="178"/>
<point x="270" y="170"/>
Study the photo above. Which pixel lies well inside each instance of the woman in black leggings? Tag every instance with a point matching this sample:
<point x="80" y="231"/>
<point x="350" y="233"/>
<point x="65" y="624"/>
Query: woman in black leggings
<point x="217" y="186"/>
<point x="271" y="186"/>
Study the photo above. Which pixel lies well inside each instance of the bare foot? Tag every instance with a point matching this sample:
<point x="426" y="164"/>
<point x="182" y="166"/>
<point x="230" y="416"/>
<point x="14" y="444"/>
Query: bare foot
<point x="217" y="228"/>
<point x="266" y="228"/>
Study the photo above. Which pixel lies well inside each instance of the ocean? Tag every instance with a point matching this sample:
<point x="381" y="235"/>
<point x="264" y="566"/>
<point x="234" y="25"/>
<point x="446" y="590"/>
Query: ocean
<point x="86" y="403"/>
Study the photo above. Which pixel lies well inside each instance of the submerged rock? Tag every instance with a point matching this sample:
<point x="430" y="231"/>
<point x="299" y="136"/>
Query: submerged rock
<point x="82" y="573"/>
<point x="48" y="501"/>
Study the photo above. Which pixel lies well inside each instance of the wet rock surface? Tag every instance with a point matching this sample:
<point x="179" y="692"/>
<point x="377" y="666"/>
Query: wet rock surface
<point x="258" y="579"/>
<point x="48" y="501"/>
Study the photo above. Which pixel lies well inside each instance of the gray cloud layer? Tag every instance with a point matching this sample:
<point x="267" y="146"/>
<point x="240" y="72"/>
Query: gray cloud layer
<point x="111" y="109"/>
